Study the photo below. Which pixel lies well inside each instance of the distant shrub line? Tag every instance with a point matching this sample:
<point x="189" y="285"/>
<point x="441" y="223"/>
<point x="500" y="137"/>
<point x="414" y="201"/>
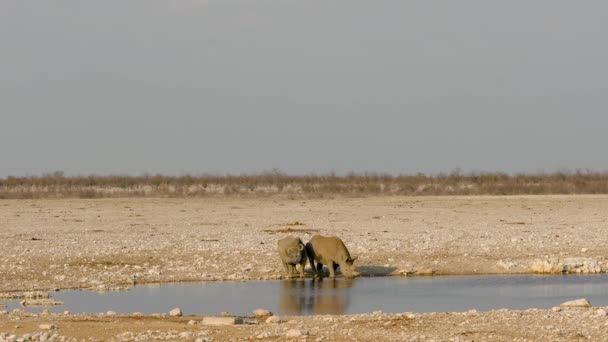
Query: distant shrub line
<point x="57" y="185"/>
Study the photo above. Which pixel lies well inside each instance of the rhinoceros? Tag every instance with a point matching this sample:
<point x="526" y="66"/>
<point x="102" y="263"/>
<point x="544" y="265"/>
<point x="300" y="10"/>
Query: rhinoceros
<point x="292" y="252"/>
<point x="330" y="251"/>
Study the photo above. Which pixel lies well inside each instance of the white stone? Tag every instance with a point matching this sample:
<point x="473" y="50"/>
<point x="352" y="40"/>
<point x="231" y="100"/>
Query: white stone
<point x="600" y="312"/>
<point x="262" y="312"/>
<point x="263" y="335"/>
<point x="191" y="322"/>
<point x="295" y="333"/>
<point x="186" y="335"/>
<point x="47" y="326"/>
<point x="211" y="320"/>
<point x="578" y="303"/>
<point x="110" y="313"/>
<point x="556" y="309"/>
<point x="584" y="250"/>
<point x="177" y="312"/>
<point x="273" y="319"/>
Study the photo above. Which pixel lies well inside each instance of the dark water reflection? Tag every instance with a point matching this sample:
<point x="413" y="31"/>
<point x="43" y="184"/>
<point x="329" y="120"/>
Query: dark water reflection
<point x="317" y="296"/>
<point x="341" y="296"/>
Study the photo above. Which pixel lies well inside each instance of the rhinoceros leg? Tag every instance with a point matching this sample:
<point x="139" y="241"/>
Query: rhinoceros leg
<point x="320" y="269"/>
<point x="302" y="265"/>
<point x="332" y="269"/>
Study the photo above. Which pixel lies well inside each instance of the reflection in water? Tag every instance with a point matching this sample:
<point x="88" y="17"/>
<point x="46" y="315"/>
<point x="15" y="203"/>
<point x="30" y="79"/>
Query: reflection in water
<point x="316" y="296"/>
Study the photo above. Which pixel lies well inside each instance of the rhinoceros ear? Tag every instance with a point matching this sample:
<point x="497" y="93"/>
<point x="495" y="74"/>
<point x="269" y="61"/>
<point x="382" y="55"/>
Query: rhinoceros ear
<point x="353" y="259"/>
<point x="301" y="246"/>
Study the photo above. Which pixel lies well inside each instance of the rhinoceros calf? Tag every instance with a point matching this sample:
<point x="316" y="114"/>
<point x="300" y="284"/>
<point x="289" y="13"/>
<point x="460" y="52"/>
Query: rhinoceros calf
<point x="292" y="252"/>
<point x="330" y="251"/>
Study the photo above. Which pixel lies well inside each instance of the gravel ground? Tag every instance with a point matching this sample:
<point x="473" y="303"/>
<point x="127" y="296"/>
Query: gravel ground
<point x="110" y="243"/>
<point x="500" y="325"/>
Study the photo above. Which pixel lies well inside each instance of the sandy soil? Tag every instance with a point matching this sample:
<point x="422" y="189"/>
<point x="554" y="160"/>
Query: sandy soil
<point x="107" y="243"/>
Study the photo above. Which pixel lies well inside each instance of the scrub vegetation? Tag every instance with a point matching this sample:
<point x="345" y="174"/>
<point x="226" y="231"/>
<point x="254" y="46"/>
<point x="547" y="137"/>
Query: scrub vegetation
<point x="314" y="185"/>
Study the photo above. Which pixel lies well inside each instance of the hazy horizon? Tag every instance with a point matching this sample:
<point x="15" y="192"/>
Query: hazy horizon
<point x="237" y="86"/>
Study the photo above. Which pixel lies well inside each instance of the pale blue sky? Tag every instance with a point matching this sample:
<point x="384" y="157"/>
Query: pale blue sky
<point x="193" y="86"/>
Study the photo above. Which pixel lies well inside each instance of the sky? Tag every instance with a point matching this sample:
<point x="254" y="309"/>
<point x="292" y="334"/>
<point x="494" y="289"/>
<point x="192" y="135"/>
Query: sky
<point x="245" y="86"/>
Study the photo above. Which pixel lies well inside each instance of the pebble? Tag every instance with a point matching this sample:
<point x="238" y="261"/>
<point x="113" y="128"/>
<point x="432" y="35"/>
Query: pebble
<point x="47" y="326"/>
<point x="262" y="312"/>
<point x="110" y="313"/>
<point x="578" y="303"/>
<point x="263" y="335"/>
<point x="177" y="312"/>
<point x="186" y="335"/>
<point x="211" y="320"/>
<point x="191" y="322"/>
<point x="273" y="319"/>
<point x="296" y="333"/>
<point x="600" y="312"/>
<point x="556" y="309"/>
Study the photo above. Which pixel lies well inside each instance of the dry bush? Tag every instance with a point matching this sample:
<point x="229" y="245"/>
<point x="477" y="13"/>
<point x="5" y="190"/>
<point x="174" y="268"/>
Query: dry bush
<point x="57" y="185"/>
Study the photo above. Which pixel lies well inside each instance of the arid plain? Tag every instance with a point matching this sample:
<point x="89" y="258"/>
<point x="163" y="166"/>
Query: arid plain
<point x="105" y="244"/>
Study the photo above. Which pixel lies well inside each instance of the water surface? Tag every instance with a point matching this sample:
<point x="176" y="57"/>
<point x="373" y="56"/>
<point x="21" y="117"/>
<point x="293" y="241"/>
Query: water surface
<point x="344" y="296"/>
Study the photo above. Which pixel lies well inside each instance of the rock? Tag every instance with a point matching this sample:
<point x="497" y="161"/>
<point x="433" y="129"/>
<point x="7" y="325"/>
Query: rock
<point x="40" y="302"/>
<point x="177" y="312"/>
<point x="201" y="339"/>
<point x="191" y="322"/>
<point x="578" y="303"/>
<point x="137" y="314"/>
<point x="36" y="295"/>
<point x="47" y="326"/>
<point x="584" y="250"/>
<point x="273" y="320"/>
<point x="263" y="335"/>
<point x="556" y="309"/>
<point x="547" y="265"/>
<point x="600" y="312"/>
<point x="262" y="312"/>
<point x="581" y="265"/>
<point x="186" y="335"/>
<point x="212" y="320"/>
<point x="66" y="312"/>
<point x="110" y="313"/>
<point x="296" y="333"/>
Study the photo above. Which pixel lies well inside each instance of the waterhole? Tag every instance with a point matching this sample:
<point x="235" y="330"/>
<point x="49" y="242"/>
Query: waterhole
<point x="342" y="296"/>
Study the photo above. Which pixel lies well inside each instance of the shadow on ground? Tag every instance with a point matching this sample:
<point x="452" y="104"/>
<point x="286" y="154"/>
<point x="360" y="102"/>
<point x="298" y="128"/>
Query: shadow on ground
<point x="375" y="271"/>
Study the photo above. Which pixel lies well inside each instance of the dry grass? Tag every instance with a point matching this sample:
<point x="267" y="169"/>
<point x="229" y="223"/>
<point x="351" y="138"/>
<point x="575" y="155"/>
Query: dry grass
<point x="57" y="185"/>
